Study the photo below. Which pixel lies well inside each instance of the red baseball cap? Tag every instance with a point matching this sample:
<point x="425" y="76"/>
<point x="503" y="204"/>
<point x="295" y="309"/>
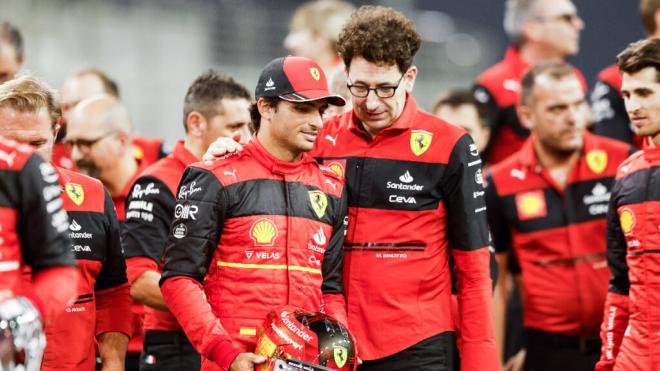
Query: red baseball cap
<point x="295" y="79"/>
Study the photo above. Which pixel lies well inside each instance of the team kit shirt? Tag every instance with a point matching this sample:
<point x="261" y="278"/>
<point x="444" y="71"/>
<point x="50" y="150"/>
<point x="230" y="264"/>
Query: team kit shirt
<point x="103" y="300"/>
<point x="610" y="118"/>
<point x="149" y="212"/>
<point x="631" y="324"/>
<point x="557" y="236"/>
<point x="33" y="231"/>
<point x="498" y="88"/>
<point x="252" y="233"/>
<point x="415" y="195"/>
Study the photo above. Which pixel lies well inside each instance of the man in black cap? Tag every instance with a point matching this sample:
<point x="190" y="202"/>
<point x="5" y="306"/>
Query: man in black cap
<point x="261" y="228"/>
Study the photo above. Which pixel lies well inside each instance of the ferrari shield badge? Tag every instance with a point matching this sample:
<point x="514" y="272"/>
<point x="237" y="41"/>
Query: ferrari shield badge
<point x="341" y="356"/>
<point x="597" y="160"/>
<point x="315" y="73"/>
<point x="319" y="202"/>
<point x="420" y="141"/>
<point x="75" y="193"/>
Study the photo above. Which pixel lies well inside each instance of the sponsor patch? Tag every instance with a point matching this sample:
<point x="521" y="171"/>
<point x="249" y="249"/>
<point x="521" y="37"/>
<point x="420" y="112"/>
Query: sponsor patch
<point x="531" y="205"/>
<point x="420" y="141"/>
<point x="263" y="232"/>
<point x="180" y="231"/>
<point x="627" y="220"/>
<point x="319" y="202"/>
<point x="75" y="192"/>
<point x="597" y="160"/>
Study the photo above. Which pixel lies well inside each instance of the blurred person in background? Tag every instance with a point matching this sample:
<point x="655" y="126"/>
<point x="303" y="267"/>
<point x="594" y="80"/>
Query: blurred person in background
<point x="12" y="51"/>
<point x="540" y="30"/>
<point x="313" y="32"/>
<point x="629" y="330"/>
<point x="460" y="108"/>
<point x="29" y="114"/>
<point x="547" y="205"/>
<point x="99" y="138"/>
<point x="337" y="85"/>
<point x="87" y="82"/>
<point x="610" y="116"/>
<point x="214" y="106"/>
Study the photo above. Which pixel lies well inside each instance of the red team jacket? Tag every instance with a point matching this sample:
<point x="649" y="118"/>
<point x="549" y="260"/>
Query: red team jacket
<point x="404" y="186"/>
<point x="631" y="327"/>
<point x="33" y="229"/>
<point x="558" y="236"/>
<point x="609" y="112"/>
<point x="252" y="233"/>
<point x="103" y="296"/>
<point x="151" y="207"/>
<point x="498" y="88"/>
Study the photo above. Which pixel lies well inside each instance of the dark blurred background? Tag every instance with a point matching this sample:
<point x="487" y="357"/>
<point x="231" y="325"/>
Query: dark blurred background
<point x="155" y="48"/>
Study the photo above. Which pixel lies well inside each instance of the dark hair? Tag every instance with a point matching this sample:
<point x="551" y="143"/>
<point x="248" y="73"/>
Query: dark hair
<point x="639" y="55"/>
<point x="110" y="87"/>
<point x="647" y="9"/>
<point x="380" y="35"/>
<point x="254" y="111"/>
<point x="461" y="97"/>
<point x="556" y="70"/>
<point x="13" y="36"/>
<point x="207" y="91"/>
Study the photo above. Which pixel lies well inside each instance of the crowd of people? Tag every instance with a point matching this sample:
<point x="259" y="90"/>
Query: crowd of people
<point x="327" y="222"/>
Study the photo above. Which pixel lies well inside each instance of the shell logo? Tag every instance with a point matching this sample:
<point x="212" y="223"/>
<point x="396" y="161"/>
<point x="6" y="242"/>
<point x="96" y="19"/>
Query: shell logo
<point x="337" y="168"/>
<point x="263" y="232"/>
<point x="627" y="220"/>
<point x="531" y="205"/>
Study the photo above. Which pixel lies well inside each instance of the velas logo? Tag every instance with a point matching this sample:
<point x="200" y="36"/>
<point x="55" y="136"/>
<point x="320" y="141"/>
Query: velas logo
<point x="597" y="160"/>
<point x="315" y="73"/>
<point x="319" y="202"/>
<point x="75" y="193"/>
<point x="627" y="220"/>
<point x="337" y="168"/>
<point x="420" y="141"/>
<point x="531" y="205"/>
<point x="263" y="232"/>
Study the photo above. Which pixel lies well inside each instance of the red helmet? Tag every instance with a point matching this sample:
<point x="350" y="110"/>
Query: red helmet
<point x="293" y="339"/>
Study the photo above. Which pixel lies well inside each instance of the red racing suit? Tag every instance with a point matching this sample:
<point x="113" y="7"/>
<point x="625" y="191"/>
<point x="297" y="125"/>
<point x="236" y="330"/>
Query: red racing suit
<point x="149" y="214"/>
<point x="631" y="326"/>
<point x="557" y="236"/>
<point x="609" y="112"/>
<point x="415" y="195"/>
<point x="33" y="229"/>
<point x="104" y="301"/>
<point x="498" y="88"/>
<point x="252" y="233"/>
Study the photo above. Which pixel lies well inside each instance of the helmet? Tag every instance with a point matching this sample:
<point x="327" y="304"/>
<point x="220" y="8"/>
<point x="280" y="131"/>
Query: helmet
<point x="22" y="339"/>
<point x="294" y="339"/>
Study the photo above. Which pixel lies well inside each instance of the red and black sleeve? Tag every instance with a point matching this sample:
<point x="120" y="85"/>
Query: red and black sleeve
<point x="333" y="261"/>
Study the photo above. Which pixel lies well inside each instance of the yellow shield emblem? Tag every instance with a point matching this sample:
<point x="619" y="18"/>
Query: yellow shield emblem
<point x="420" y="141"/>
<point x="75" y="193"/>
<point x="341" y="356"/>
<point x="627" y="220"/>
<point x="319" y="202"/>
<point x="315" y="73"/>
<point x="263" y="232"/>
<point x="597" y="160"/>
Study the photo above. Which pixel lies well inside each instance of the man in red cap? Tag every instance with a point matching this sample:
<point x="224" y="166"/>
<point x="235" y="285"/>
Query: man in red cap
<point x="259" y="229"/>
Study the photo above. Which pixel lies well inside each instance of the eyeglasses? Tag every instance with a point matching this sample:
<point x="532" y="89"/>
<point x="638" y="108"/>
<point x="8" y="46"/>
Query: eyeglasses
<point x="85" y="145"/>
<point x="361" y="91"/>
<point x="569" y="18"/>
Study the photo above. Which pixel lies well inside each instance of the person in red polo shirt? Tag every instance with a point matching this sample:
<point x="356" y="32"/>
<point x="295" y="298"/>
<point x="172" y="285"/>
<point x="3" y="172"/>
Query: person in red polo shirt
<point x="29" y="114"/>
<point x="541" y="30"/>
<point x="629" y="332"/>
<point x="99" y="136"/>
<point x="547" y="205"/>
<point x="214" y="106"/>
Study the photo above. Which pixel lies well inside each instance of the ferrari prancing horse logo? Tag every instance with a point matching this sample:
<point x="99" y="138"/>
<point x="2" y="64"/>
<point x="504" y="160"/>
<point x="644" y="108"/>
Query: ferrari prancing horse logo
<point x="75" y="193"/>
<point x="315" y="73"/>
<point x="340" y="355"/>
<point x="597" y="160"/>
<point x="420" y="141"/>
<point x="319" y="202"/>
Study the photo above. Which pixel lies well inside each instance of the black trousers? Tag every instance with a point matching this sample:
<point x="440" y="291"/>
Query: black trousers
<point x="168" y="350"/>
<point x="548" y="351"/>
<point x="433" y="354"/>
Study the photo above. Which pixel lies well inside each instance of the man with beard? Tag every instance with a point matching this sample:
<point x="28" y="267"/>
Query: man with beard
<point x="29" y="114"/>
<point x="547" y="204"/>
<point x="99" y="138"/>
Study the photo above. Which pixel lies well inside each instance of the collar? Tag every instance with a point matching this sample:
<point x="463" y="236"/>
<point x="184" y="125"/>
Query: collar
<point x="402" y="123"/>
<point x="182" y="154"/>
<point x="269" y="161"/>
<point x="516" y="61"/>
<point x="651" y="151"/>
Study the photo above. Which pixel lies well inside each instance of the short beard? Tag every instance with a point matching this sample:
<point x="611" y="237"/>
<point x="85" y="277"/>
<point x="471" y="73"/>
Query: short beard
<point x="89" y="168"/>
